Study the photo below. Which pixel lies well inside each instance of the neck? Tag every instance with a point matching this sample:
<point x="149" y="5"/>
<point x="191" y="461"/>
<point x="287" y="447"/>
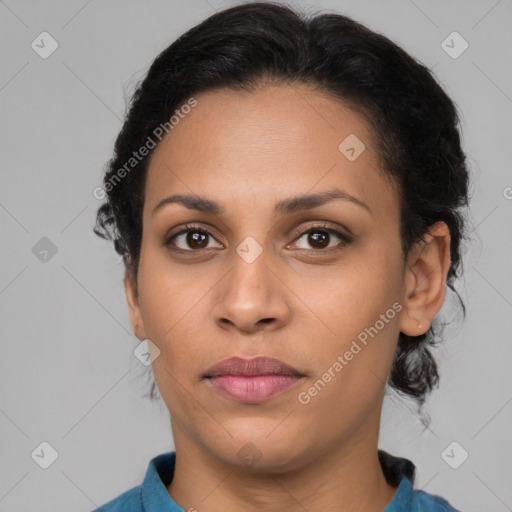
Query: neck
<point x="345" y="478"/>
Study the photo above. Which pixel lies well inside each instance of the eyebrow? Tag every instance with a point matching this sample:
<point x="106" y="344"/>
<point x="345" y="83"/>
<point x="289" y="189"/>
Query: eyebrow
<point x="285" y="206"/>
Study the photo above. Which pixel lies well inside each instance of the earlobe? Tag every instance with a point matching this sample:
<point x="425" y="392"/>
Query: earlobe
<point x="425" y="280"/>
<point x="130" y="288"/>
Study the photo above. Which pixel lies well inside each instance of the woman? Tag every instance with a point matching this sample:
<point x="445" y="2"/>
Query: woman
<point x="285" y="194"/>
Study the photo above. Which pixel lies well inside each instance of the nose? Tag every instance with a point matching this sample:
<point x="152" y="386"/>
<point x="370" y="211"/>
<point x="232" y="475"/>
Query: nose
<point x="252" y="297"/>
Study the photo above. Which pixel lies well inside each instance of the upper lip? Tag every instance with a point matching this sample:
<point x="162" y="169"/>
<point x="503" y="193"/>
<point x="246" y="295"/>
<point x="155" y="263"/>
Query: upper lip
<point x="248" y="367"/>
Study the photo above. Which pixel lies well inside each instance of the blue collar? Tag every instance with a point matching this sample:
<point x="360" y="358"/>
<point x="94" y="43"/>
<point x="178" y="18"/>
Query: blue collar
<point x="154" y="495"/>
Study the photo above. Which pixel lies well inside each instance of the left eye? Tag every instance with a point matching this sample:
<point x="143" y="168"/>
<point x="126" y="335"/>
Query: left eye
<point x="319" y="238"/>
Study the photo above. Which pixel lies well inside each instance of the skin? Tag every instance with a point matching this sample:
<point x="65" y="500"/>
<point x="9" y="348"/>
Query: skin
<point x="295" y="301"/>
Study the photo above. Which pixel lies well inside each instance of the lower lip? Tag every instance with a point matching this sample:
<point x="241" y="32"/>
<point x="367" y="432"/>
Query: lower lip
<point x="254" y="388"/>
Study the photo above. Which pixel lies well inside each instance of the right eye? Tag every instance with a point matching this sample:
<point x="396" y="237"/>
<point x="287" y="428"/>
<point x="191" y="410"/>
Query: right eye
<point x="192" y="239"/>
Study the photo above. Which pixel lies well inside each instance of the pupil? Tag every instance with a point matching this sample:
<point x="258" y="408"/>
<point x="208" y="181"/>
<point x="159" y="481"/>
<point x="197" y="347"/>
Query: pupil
<point x="319" y="237"/>
<point x="194" y="239"/>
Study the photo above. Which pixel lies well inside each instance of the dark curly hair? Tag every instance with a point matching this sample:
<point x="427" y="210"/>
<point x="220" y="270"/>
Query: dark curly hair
<point x="244" y="46"/>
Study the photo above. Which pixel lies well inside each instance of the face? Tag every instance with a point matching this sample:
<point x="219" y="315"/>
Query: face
<point x="318" y="284"/>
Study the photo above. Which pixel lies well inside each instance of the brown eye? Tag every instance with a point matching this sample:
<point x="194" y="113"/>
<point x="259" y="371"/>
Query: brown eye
<point x="195" y="239"/>
<point x="191" y="239"/>
<point x="320" y="239"/>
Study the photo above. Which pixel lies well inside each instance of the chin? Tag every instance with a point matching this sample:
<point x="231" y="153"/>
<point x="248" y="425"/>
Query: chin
<point x="259" y="452"/>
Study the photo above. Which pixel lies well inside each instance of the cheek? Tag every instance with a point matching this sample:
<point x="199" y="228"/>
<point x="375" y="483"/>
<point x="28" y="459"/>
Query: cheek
<point x="168" y="293"/>
<point x="351" y="376"/>
<point x="359" y="307"/>
<point x="175" y="308"/>
<point x="350" y="297"/>
<point x="171" y="309"/>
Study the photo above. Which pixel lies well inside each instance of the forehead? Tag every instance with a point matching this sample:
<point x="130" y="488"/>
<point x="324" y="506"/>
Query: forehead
<point x="265" y="144"/>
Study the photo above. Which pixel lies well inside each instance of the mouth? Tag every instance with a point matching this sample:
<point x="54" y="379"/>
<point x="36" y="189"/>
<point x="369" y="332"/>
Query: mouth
<point x="251" y="380"/>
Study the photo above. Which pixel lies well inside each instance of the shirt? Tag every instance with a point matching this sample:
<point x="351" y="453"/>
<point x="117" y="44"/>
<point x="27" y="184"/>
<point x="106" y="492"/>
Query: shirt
<point x="152" y="495"/>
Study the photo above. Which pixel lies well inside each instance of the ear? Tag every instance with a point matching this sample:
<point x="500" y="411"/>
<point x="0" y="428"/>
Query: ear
<point x="425" y="280"/>
<point x="136" y="321"/>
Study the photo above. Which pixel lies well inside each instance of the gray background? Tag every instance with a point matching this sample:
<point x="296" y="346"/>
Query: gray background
<point x="68" y="375"/>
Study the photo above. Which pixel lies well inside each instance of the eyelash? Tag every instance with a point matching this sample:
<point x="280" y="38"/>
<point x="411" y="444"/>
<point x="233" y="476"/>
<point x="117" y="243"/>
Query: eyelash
<point x="346" y="240"/>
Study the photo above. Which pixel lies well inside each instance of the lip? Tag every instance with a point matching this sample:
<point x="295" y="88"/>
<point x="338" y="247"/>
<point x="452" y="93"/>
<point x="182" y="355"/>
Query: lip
<point x="252" y="380"/>
<point x="261" y="365"/>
